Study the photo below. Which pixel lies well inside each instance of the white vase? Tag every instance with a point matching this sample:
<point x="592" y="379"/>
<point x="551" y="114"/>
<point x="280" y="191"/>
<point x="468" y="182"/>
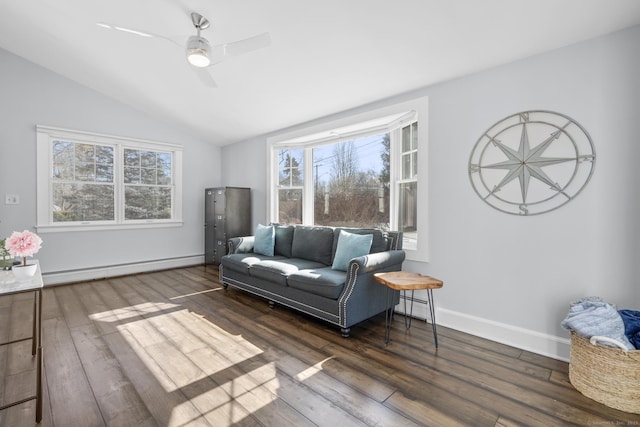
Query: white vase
<point x="24" y="273"/>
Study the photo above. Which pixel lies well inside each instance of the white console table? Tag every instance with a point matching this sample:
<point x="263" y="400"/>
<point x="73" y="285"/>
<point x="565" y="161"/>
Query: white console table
<point x="9" y="286"/>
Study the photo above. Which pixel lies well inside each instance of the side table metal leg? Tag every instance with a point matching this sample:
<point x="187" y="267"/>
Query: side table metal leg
<point x="433" y="315"/>
<point x="388" y="313"/>
<point x="407" y="318"/>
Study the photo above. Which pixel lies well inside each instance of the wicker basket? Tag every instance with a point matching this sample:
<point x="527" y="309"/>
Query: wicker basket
<point x="605" y="374"/>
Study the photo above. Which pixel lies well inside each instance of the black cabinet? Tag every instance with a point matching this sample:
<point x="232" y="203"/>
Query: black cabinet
<point x="227" y="213"/>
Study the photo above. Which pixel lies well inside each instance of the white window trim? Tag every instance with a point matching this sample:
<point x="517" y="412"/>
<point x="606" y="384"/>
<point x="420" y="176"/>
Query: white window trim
<point x="45" y="224"/>
<point x="325" y="131"/>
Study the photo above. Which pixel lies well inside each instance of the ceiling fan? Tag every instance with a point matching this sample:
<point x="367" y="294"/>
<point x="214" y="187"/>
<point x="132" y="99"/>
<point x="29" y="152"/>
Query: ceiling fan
<point x="199" y="52"/>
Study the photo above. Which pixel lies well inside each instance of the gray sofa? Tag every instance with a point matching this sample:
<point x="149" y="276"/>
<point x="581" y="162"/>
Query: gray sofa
<point x="302" y="272"/>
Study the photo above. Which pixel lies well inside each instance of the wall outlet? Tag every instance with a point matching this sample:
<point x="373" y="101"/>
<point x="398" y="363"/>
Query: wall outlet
<point x="11" y="199"/>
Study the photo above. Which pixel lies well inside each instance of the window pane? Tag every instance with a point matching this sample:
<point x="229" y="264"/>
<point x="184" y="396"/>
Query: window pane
<point x="164" y="160"/>
<point x="82" y="202"/>
<point x="147" y="202"/>
<point x="290" y="206"/>
<point x="164" y="176"/>
<point x="148" y="176"/>
<point x="62" y="172"/>
<point x="104" y="155"/>
<point x="351" y="183"/>
<point x="148" y="159"/>
<point x="414" y="165"/>
<point x="408" y="208"/>
<point x="104" y="173"/>
<point x="63" y="156"/>
<point x="85" y="153"/>
<point x="85" y="171"/>
<point x="291" y="170"/>
<point x="163" y="168"/>
<point x="131" y="158"/>
<point x="414" y="136"/>
<point x="131" y="175"/>
<point x="406" y="139"/>
<point x="406" y="166"/>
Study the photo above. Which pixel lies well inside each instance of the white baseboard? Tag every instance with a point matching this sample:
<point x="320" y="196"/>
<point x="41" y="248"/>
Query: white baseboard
<point x="525" y="339"/>
<point x="93" y="273"/>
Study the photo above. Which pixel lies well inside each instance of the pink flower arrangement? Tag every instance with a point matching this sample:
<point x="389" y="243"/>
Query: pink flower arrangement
<point x="23" y="244"/>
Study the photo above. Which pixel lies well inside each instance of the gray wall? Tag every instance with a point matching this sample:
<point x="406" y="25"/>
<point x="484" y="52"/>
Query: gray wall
<point x="31" y="95"/>
<point x="506" y="277"/>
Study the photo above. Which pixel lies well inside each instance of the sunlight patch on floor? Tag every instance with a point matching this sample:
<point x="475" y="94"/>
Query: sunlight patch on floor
<point x="312" y="370"/>
<point x="120" y="314"/>
<point x="196" y="293"/>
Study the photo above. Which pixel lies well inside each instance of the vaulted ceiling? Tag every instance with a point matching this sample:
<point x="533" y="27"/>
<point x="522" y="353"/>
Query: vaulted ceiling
<point x="325" y="56"/>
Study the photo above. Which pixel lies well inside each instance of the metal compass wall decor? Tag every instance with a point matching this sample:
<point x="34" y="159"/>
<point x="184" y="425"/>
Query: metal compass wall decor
<point x="531" y="162"/>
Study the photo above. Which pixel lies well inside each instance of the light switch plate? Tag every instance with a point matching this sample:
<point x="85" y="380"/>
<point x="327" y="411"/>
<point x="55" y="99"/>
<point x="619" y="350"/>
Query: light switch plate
<point x="11" y="199"/>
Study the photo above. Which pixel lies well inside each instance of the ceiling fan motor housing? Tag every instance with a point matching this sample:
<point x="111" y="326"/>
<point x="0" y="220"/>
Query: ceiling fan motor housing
<point x="198" y="51"/>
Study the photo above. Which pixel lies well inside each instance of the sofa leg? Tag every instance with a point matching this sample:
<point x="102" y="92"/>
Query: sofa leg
<point x="345" y="332"/>
<point x="225" y="286"/>
<point x="272" y="304"/>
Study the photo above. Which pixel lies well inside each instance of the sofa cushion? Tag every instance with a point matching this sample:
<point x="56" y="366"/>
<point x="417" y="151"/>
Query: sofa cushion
<point x="324" y="281"/>
<point x="313" y="243"/>
<point x="350" y="245"/>
<point x="379" y="243"/>
<point x="277" y="270"/>
<point x="284" y="239"/>
<point x="243" y="261"/>
<point x="265" y="239"/>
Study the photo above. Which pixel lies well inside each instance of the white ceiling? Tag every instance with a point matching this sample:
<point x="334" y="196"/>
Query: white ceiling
<point x="326" y="56"/>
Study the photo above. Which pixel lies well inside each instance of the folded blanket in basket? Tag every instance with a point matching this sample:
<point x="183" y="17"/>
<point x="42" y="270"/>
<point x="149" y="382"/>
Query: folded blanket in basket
<point x="592" y="316"/>
<point x="631" y="321"/>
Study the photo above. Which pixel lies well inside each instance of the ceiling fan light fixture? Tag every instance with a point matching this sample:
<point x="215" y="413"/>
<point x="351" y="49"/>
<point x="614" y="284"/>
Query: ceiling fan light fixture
<point x="198" y="51"/>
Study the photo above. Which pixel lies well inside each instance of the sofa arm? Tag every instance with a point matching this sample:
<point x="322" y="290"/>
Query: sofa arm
<point x="240" y="245"/>
<point x="376" y="262"/>
<point x="362" y="296"/>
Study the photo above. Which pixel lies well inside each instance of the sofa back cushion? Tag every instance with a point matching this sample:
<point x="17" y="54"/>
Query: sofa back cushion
<point x="313" y="243"/>
<point x="284" y="240"/>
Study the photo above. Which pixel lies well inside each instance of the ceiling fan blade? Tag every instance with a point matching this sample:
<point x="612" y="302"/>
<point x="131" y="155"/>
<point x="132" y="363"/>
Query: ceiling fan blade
<point x="137" y="32"/>
<point x="225" y="51"/>
<point x="205" y="77"/>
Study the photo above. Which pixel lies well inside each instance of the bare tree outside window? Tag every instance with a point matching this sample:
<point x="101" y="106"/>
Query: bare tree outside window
<point x="349" y="183"/>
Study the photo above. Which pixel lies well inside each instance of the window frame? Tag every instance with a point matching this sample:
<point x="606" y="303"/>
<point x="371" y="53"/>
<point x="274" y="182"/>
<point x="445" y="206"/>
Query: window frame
<point x="355" y="124"/>
<point x="44" y="180"/>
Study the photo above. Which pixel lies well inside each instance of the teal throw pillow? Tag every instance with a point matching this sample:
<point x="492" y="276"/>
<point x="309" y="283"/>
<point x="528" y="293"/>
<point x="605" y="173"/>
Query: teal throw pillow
<point x="265" y="240"/>
<point x="350" y="246"/>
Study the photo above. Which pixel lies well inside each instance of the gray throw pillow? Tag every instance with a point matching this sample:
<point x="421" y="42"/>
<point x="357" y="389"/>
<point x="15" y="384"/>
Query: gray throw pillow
<point x="265" y="238"/>
<point x="350" y="246"/>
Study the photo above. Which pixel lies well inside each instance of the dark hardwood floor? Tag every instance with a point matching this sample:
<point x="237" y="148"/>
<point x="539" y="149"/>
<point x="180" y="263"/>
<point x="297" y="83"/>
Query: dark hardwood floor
<point x="174" y="348"/>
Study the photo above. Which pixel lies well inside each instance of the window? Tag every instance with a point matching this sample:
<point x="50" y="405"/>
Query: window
<point x="290" y="187"/>
<point x="351" y="183"/>
<point x="359" y="172"/>
<point x="91" y="181"/>
<point x="408" y="183"/>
